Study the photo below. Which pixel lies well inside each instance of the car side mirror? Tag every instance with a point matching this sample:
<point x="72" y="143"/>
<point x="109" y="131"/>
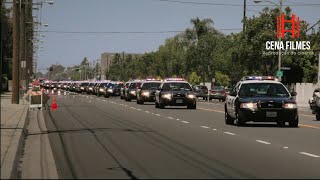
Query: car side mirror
<point x="232" y="93"/>
<point x="293" y="93"/>
<point x="316" y="91"/>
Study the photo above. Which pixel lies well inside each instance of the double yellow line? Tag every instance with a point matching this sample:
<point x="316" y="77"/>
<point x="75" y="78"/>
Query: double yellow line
<point x="302" y="125"/>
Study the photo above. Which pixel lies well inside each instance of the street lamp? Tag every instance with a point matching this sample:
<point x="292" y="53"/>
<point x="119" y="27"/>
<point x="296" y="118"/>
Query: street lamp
<point x="280" y="10"/>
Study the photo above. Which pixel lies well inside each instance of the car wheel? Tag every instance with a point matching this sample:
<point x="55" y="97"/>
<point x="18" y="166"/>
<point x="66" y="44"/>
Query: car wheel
<point x="239" y="121"/>
<point x="294" y="123"/>
<point x="228" y="118"/>
<point x="318" y="116"/>
<point x="161" y="105"/>
<point x="121" y="97"/>
<point x="129" y="99"/>
<point x="156" y="104"/>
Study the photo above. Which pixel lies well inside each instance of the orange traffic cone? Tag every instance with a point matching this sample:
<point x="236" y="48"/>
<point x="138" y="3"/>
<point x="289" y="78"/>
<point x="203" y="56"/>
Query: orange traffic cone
<point x="54" y="105"/>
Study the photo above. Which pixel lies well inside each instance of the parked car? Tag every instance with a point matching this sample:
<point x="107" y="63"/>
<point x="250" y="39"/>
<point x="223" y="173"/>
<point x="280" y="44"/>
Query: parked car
<point x="201" y="91"/>
<point x="218" y="92"/>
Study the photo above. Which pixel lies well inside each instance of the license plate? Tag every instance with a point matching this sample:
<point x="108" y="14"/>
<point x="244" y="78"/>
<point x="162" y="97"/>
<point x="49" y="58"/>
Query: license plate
<point x="179" y="101"/>
<point x="271" y="114"/>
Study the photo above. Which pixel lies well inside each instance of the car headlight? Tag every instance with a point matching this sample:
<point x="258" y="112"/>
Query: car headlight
<point x="101" y="89"/>
<point x="290" y="106"/>
<point x="167" y="96"/>
<point x="132" y="92"/>
<point x="249" y="105"/>
<point x="90" y="88"/>
<point x="191" y="96"/>
<point x="146" y="94"/>
<point x="110" y="90"/>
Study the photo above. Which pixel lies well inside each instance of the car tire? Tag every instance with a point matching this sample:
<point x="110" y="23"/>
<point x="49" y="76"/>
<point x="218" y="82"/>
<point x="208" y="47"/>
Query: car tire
<point x="239" y="121"/>
<point x="228" y="118"/>
<point x="156" y="104"/>
<point x="161" y="105"/>
<point x="121" y="97"/>
<point x="294" y="123"/>
<point x="318" y="116"/>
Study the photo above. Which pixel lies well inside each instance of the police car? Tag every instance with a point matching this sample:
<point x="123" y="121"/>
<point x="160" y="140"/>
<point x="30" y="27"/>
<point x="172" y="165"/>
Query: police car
<point x="147" y="91"/>
<point x="261" y="99"/>
<point x="175" y="92"/>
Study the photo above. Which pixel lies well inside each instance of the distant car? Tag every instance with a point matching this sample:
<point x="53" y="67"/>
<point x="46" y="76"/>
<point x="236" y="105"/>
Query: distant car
<point x="131" y="91"/>
<point x="147" y="92"/>
<point x="101" y="89"/>
<point x="123" y="90"/>
<point x="218" y="92"/>
<point x="113" y="89"/>
<point x="201" y="91"/>
<point x="175" y="92"/>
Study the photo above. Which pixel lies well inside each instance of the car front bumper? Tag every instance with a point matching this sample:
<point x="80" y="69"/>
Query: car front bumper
<point x="175" y="101"/>
<point x="270" y="115"/>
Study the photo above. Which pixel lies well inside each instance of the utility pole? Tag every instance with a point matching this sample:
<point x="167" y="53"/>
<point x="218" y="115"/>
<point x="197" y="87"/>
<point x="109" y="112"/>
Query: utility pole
<point x="22" y="47"/>
<point x="319" y="70"/>
<point x="15" y="53"/>
<point x="244" y="14"/>
<point x="279" y="57"/>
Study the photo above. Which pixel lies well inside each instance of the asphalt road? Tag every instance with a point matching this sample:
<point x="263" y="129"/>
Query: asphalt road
<point x="97" y="137"/>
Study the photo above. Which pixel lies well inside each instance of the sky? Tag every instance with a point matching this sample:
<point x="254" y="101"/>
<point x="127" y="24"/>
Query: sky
<point x="135" y="16"/>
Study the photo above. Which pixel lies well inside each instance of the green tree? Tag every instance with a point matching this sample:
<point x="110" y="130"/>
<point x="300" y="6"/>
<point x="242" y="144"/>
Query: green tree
<point x="194" y="79"/>
<point x="221" y="79"/>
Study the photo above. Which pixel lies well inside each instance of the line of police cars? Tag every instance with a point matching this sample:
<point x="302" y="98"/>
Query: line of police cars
<point x="253" y="98"/>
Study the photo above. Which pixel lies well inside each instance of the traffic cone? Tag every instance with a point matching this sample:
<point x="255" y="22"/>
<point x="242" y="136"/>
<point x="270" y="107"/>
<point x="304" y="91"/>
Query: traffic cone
<point x="54" y="105"/>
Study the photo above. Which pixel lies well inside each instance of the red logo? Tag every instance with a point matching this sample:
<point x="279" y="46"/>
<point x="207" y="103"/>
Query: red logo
<point x="295" y="26"/>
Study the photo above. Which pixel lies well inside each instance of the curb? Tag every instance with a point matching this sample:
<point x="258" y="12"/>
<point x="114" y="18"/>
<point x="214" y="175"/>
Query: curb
<point x="12" y="159"/>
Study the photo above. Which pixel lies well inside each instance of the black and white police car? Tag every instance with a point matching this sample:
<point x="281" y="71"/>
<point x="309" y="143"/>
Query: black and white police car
<point x="261" y="99"/>
<point x="175" y="92"/>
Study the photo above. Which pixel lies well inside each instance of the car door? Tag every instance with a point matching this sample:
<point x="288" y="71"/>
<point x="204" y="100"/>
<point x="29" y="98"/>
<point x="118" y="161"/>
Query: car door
<point x="158" y="92"/>
<point x="230" y="100"/>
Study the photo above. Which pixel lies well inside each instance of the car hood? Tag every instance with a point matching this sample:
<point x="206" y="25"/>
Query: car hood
<point x="267" y="99"/>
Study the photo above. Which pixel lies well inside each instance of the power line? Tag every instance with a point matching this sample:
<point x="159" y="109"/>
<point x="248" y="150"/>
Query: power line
<point x="228" y="4"/>
<point x="126" y="32"/>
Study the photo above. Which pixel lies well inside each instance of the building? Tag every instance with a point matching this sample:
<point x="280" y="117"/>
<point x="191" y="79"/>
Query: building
<point x="107" y="60"/>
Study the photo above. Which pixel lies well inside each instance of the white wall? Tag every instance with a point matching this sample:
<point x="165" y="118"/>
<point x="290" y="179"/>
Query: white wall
<point x="304" y="92"/>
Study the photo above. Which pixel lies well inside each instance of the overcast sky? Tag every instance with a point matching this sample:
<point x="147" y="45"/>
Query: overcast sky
<point x="136" y="16"/>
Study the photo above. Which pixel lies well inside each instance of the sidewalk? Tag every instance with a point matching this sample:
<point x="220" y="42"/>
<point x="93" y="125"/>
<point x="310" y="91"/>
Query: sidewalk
<point x="13" y="123"/>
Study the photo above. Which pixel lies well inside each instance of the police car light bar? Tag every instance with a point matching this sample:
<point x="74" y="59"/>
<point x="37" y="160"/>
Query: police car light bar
<point x="258" y="78"/>
<point x="175" y="79"/>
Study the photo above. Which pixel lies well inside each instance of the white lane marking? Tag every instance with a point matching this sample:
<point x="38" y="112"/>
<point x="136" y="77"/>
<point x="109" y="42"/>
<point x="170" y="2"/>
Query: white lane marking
<point x="139" y="109"/>
<point x="206" y="127"/>
<point x="263" y="142"/>
<point x="132" y="108"/>
<point x="178" y="119"/>
<point x="103" y="100"/>
<point x="285" y="147"/>
<point x="87" y="96"/>
<point x="157" y="114"/>
<point x="152" y="113"/>
<point x="308" y="154"/>
<point x="170" y="117"/>
<point x="147" y="111"/>
<point x="229" y="133"/>
<point x="185" y="121"/>
<point x="89" y="101"/>
<point x="214" y="129"/>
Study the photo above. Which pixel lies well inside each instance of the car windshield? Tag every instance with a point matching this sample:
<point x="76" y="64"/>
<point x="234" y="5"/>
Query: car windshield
<point x="150" y="86"/>
<point x="218" y="88"/>
<point x="103" y="84"/>
<point x="134" y="85"/>
<point x="176" y="87"/>
<point x="111" y="85"/>
<point x="263" y="89"/>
